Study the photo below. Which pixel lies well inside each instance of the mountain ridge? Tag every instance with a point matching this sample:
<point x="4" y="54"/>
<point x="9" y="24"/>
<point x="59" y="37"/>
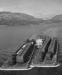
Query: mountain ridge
<point x="9" y="18"/>
<point x="12" y="19"/>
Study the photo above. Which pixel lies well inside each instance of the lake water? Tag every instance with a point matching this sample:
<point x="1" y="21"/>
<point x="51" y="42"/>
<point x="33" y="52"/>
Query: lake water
<point x="11" y="36"/>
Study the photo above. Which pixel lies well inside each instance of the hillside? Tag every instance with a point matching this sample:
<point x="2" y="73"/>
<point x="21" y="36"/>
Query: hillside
<point x="56" y="19"/>
<point x="9" y="18"/>
<point x="12" y="19"/>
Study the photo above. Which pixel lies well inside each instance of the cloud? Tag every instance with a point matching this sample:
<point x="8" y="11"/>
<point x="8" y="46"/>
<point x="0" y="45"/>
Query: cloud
<point x="37" y="8"/>
<point x="1" y="9"/>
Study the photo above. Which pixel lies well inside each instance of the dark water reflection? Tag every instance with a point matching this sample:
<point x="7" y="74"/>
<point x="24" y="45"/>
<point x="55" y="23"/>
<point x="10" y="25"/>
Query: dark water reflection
<point x="35" y="71"/>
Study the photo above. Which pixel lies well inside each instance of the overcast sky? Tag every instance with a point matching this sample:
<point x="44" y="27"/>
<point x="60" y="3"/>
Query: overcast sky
<point x="37" y="8"/>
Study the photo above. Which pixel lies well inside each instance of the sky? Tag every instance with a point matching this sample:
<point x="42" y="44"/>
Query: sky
<point x="37" y="8"/>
